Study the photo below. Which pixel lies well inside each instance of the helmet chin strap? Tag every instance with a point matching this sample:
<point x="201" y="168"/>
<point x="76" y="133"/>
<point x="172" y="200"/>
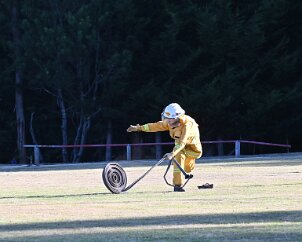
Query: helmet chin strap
<point x="175" y="124"/>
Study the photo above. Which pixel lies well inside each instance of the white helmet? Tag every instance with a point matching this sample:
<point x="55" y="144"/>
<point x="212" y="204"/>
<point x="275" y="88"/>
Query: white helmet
<point x="173" y="110"/>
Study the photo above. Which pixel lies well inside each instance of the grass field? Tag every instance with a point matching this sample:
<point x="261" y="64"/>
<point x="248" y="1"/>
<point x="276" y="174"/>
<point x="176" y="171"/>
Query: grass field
<point x="254" y="199"/>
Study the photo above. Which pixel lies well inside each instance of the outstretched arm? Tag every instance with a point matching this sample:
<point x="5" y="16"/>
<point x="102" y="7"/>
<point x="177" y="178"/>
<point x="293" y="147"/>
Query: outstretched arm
<point x="149" y="127"/>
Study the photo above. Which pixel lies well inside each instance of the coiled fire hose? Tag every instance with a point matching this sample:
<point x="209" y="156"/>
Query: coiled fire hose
<point x="115" y="178"/>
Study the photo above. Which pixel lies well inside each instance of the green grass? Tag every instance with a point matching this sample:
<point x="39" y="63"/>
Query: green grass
<point x="252" y="200"/>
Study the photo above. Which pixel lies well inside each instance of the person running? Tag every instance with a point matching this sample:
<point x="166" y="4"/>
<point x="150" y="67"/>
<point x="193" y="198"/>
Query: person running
<point x="184" y="130"/>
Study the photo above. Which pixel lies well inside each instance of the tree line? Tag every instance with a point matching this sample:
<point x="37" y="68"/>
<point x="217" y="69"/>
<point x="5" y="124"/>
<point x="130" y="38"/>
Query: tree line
<point x="81" y="71"/>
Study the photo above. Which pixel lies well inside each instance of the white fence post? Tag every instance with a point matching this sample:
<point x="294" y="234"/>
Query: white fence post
<point x="36" y="155"/>
<point x="128" y="147"/>
<point x="237" y="148"/>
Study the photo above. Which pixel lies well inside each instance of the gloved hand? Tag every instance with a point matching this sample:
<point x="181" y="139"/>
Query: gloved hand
<point x="133" y="128"/>
<point x="168" y="156"/>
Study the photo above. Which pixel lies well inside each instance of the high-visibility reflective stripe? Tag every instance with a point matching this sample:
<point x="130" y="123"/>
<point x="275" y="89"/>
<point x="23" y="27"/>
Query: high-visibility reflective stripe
<point x="176" y="146"/>
<point x="146" y="127"/>
<point x="176" y="170"/>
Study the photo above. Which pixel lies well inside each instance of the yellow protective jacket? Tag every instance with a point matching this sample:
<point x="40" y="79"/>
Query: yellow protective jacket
<point x="186" y="135"/>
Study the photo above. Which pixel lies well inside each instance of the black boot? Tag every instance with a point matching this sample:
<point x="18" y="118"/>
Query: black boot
<point x="178" y="188"/>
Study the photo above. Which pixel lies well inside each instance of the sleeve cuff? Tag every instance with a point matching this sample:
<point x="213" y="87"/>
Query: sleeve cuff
<point x="144" y="128"/>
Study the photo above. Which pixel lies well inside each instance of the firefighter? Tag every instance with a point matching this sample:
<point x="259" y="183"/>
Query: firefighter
<point x="184" y="130"/>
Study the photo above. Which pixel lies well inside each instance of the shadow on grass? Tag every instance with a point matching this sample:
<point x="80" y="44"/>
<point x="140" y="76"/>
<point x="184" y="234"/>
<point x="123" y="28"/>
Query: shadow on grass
<point x="74" y="195"/>
<point x="177" y="220"/>
<point x="214" y="227"/>
<point x="191" y="234"/>
<point x="56" y="196"/>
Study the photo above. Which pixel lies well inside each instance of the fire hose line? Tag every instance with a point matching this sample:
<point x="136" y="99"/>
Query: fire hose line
<point x="115" y="178"/>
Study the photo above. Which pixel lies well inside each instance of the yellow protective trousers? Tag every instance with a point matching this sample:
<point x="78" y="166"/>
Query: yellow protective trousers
<point x="187" y="163"/>
<point x="187" y="143"/>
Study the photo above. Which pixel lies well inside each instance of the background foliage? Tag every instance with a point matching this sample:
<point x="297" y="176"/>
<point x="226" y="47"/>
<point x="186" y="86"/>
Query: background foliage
<point x="235" y="66"/>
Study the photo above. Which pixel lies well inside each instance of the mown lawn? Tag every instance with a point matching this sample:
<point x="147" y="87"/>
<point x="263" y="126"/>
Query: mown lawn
<point x="252" y="200"/>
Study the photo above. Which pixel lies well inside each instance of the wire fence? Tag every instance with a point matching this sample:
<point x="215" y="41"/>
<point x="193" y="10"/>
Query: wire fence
<point x="131" y="151"/>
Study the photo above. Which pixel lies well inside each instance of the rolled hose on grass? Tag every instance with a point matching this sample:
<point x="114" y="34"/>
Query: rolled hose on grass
<point x="115" y="178"/>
